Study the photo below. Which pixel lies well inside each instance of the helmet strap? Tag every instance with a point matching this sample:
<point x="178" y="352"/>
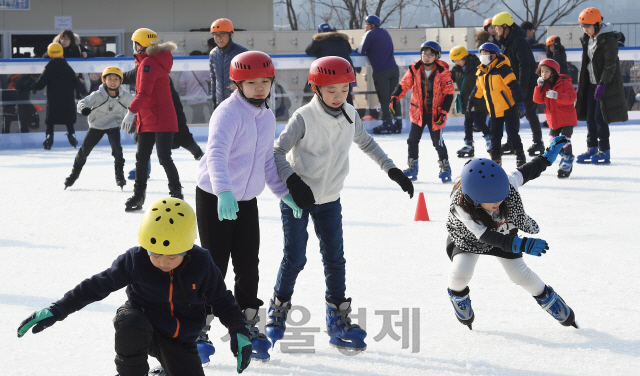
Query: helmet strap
<point x="316" y="89"/>
<point x="109" y="89"/>
<point x="254" y="101"/>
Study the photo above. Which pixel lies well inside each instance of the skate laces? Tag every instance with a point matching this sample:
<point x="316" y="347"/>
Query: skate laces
<point x="344" y="319"/>
<point x="204" y="337"/>
<point x="279" y="314"/>
<point x="254" y="331"/>
<point x="462" y="302"/>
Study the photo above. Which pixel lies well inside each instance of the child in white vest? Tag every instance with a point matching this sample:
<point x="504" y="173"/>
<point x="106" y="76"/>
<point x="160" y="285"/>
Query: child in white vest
<point x="312" y="157"/>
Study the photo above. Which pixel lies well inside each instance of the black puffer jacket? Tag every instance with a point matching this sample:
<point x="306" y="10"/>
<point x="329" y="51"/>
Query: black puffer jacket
<point x="61" y="83"/>
<point x="469" y="82"/>
<point x="330" y="44"/>
<point x="523" y="63"/>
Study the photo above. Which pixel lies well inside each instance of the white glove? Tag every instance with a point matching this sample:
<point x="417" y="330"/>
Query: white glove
<point x="552" y="94"/>
<point x="540" y="81"/>
<point x="129" y="123"/>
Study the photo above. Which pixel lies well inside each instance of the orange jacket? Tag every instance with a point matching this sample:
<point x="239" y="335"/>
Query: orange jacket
<point x="415" y="79"/>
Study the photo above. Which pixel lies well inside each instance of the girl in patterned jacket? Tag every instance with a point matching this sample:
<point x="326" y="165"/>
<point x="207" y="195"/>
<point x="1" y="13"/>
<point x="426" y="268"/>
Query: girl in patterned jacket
<point x="485" y="216"/>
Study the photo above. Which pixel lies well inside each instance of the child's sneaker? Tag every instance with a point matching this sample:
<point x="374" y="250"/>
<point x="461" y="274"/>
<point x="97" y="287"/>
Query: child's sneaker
<point x="462" y="306"/>
<point x="259" y="341"/>
<point x="276" y="319"/>
<point x="344" y="334"/>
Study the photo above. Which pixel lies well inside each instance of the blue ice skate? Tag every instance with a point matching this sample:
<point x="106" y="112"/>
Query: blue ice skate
<point x="462" y="305"/>
<point x="586" y="157"/>
<point x="259" y="341"/>
<point x="602" y="157"/>
<point x="551" y="302"/>
<point x="132" y="173"/>
<point x="412" y="171"/>
<point x="566" y="166"/>
<point x="445" y="171"/>
<point x="344" y="334"/>
<point x="276" y="319"/>
<point x="487" y="139"/>
<point x="205" y="348"/>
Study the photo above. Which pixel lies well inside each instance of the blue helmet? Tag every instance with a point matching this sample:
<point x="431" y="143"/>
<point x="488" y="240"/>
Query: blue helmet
<point x="432" y="45"/>
<point x="324" y="28"/>
<point x="373" y="19"/>
<point x="490" y="47"/>
<point x="484" y="181"/>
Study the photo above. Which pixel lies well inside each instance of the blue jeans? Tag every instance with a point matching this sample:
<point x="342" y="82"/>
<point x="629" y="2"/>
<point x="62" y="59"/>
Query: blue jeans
<point x="327" y="221"/>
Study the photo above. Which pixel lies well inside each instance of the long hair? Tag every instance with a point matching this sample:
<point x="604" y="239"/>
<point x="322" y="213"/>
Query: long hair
<point x="477" y="213"/>
<point x="69" y="35"/>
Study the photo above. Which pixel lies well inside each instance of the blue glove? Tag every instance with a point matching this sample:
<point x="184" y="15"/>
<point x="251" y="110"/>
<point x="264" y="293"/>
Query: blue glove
<point x="554" y="148"/>
<point x="288" y="199"/>
<point x="522" y="111"/>
<point x="531" y="246"/>
<point x="227" y="206"/>
<point x="42" y="319"/>
<point x="241" y="348"/>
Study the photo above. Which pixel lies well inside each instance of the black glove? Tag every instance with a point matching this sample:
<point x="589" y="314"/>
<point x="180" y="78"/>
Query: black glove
<point x="241" y="347"/>
<point x="85" y="111"/>
<point x="42" y="319"/>
<point x="300" y="191"/>
<point x="403" y="181"/>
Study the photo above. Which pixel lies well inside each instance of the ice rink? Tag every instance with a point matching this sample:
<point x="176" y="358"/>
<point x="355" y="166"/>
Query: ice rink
<point x="51" y="239"/>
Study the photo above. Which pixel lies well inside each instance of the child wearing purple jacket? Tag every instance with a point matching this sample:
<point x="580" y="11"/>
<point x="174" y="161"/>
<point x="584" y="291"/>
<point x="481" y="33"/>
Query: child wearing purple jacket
<point x="237" y="162"/>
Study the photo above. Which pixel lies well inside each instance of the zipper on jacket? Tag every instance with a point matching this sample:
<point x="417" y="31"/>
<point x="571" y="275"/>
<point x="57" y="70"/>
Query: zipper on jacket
<point x="171" y="304"/>
<point x="506" y="98"/>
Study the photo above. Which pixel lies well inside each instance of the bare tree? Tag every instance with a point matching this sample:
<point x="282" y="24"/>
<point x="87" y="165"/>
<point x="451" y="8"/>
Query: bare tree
<point x="449" y="8"/>
<point x="350" y="14"/>
<point x="292" y="16"/>
<point x="540" y="12"/>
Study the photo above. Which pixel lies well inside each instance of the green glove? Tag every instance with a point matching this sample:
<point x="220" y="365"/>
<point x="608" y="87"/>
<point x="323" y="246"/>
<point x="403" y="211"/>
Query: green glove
<point x="288" y="199"/>
<point x="42" y="319"/>
<point x="242" y="349"/>
<point x="227" y="206"/>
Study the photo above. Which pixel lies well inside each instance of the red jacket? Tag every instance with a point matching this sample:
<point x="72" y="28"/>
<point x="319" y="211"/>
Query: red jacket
<point x="153" y="102"/>
<point x="415" y="79"/>
<point x="560" y="112"/>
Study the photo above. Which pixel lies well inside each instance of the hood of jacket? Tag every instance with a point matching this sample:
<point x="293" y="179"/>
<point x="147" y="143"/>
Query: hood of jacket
<point x="161" y="53"/>
<point x="605" y="28"/>
<point x="482" y="35"/>
<point x="330" y="35"/>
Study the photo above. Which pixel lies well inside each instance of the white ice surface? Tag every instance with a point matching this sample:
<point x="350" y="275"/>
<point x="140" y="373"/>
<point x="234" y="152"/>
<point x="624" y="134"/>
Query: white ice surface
<point x="51" y="239"/>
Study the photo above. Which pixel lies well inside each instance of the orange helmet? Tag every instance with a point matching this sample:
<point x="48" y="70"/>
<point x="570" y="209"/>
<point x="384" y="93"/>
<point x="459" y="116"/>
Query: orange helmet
<point x="95" y="41"/>
<point x="590" y="16"/>
<point x="221" y="25"/>
<point x="487" y="23"/>
<point x="552" y="40"/>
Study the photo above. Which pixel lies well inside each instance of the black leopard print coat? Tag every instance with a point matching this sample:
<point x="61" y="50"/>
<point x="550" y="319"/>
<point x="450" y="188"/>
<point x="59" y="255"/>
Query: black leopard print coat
<point x="466" y="241"/>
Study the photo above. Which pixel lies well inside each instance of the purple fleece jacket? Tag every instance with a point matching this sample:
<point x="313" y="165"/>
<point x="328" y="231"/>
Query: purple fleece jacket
<point x="239" y="155"/>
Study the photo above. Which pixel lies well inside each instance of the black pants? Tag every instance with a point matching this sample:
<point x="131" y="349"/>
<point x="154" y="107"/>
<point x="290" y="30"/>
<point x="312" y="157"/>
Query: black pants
<point x="385" y="83"/>
<point x="479" y="119"/>
<point x="510" y="121"/>
<point x="236" y="239"/>
<point x="597" y="128"/>
<point x="183" y="137"/>
<point x="92" y="138"/>
<point x="163" y="141"/>
<point x="415" y="134"/>
<point x="565" y="131"/>
<point x="70" y="128"/>
<point x="532" y="115"/>
<point x="135" y="339"/>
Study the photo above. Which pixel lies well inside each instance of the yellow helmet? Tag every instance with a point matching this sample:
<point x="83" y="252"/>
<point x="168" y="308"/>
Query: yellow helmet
<point x="503" y="18"/>
<point x="168" y="227"/>
<point x="55" y="50"/>
<point x="112" y="70"/>
<point x="458" y="53"/>
<point x="145" y="37"/>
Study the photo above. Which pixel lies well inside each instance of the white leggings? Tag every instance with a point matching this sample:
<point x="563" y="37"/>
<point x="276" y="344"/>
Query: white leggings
<point x="519" y="273"/>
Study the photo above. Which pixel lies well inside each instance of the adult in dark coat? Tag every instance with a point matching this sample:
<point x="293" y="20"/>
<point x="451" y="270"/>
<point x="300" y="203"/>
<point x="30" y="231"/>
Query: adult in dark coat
<point x="601" y="97"/>
<point x="329" y="42"/>
<point x="556" y="51"/>
<point x="61" y="83"/>
<point x="523" y="63"/>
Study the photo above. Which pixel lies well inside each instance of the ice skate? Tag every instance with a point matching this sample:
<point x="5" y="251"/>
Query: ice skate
<point x="388" y="127"/>
<point x="566" y="166"/>
<point x="176" y="191"/>
<point x="445" y="171"/>
<point x="412" y="171"/>
<point x="72" y="139"/>
<point x="586" y="156"/>
<point x="551" y="302"/>
<point x="520" y="158"/>
<point x="507" y="149"/>
<point x="467" y="150"/>
<point x="132" y="173"/>
<point x="136" y="201"/>
<point x="276" y="319"/>
<point x="462" y="306"/>
<point x="259" y="341"/>
<point x="205" y="348"/>
<point x="120" y="180"/>
<point x="487" y="139"/>
<point x="48" y="141"/>
<point x="68" y="182"/>
<point x="344" y="335"/>
<point x="602" y="157"/>
<point x="536" y="149"/>
<point x="157" y="371"/>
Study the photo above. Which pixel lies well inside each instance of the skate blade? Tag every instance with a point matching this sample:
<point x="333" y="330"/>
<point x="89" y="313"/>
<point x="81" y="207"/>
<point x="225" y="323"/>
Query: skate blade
<point x="263" y="360"/>
<point x="132" y="209"/>
<point x="350" y="351"/>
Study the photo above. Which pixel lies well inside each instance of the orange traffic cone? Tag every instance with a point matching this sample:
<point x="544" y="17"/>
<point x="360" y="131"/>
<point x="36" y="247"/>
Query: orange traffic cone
<point x="421" y="210"/>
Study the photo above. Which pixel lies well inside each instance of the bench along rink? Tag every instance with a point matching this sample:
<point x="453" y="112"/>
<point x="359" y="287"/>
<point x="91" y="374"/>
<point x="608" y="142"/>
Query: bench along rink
<point x="397" y="269"/>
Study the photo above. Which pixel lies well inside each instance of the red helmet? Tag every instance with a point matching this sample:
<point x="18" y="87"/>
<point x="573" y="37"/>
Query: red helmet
<point x="551" y="64"/>
<point x="331" y="70"/>
<point x="251" y="64"/>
